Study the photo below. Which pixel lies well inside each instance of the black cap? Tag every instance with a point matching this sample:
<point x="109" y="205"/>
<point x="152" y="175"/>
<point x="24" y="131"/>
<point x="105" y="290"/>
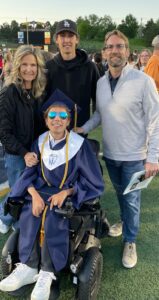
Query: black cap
<point x="66" y="25"/>
<point x="59" y="98"/>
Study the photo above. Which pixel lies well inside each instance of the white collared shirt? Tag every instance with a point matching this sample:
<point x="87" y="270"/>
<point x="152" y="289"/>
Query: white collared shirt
<point x="55" y="142"/>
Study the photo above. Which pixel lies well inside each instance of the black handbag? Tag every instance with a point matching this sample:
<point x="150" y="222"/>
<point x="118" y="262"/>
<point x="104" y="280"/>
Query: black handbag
<point x="13" y="207"/>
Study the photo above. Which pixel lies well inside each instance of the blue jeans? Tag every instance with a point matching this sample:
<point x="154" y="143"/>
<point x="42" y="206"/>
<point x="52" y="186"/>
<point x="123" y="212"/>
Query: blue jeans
<point x="120" y="173"/>
<point x="3" y="172"/>
<point x="15" y="165"/>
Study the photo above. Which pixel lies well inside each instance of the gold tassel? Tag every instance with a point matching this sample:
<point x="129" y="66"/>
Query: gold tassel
<point x="66" y="165"/>
<point x="41" y="161"/>
<point x="42" y="232"/>
<point x="75" y="118"/>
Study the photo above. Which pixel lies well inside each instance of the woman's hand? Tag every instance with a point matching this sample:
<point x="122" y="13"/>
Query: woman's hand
<point x="59" y="198"/>
<point x="38" y="204"/>
<point x="31" y="159"/>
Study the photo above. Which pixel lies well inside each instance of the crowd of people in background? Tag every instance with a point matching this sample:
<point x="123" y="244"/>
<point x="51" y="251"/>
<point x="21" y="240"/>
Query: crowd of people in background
<point x="138" y="59"/>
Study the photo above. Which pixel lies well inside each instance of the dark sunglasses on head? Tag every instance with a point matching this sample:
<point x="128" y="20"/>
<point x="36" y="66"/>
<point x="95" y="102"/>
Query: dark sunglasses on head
<point x="62" y="114"/>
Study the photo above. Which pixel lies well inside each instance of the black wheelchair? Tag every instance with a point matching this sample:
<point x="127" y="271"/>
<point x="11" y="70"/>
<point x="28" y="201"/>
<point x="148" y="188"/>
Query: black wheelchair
<point x="85" y="263"/>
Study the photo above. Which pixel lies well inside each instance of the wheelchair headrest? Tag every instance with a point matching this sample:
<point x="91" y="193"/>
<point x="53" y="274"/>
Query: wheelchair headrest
<point x="95" y="146"/>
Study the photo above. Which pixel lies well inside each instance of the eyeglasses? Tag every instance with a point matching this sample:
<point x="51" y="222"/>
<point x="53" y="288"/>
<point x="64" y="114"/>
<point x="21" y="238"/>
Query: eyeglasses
<point x="146" y="55"/>
<point x="62" y="114"/>
<point x="117" y="46"/>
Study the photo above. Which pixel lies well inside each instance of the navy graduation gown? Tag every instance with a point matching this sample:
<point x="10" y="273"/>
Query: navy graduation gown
<point x="84" y="175"/>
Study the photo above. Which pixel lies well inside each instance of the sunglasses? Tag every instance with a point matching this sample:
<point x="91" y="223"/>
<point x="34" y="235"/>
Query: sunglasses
<point x="62" y="114"/>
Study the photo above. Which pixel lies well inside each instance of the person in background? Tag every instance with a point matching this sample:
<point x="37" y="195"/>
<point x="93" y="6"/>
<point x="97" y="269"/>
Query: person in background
<point x="128" y="110"/>
<point x="1" y="68"/>
<point x="72" y="71"/>
<point x="131" y="60"/>
<point x="135" y="55"/>
<point x="47" y="55"/>
<point x="152" y="67"/>
<point x="104" y="59"/>
<point x="20" y="120"/>
<point x="143" y="59"/>
<point x="67" y="167"/>
<point x="98" y="62"/>
<point x="8" y="64"/>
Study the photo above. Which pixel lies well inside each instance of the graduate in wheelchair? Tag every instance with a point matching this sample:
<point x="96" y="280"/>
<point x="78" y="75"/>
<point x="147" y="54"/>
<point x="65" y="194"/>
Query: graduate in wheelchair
<point x="55" y="232"/>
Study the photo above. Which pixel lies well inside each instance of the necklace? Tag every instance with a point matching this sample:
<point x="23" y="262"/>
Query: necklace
<point x="28" y="94"/>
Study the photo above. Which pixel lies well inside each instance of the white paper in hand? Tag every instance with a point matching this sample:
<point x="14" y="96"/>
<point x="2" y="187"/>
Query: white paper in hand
<point x="137" y="182"/>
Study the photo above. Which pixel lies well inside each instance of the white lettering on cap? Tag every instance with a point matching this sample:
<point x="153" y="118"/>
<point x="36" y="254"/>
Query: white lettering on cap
<point x="66" y="24"/>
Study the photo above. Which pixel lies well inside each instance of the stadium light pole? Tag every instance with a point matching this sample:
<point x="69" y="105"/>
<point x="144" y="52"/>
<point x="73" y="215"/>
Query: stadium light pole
<point x="27" y="32"/>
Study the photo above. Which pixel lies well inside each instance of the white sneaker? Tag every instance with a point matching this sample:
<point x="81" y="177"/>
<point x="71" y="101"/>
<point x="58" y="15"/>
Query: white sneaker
<point x="21" y="276"/>
<point x="3" y="227"/>
<point x="41" y="290"/>
<point x="129" y="259"/>
<point x="115" y="230"/>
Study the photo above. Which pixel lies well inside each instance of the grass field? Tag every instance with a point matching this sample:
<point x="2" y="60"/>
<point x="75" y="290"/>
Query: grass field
<point x="140" y="283"/>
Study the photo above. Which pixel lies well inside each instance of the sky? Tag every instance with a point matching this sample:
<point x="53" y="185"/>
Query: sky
<point x="56" y="10"/>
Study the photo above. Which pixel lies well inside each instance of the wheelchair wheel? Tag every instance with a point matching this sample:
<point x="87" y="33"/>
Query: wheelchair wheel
<point x="9" y="254"/>
<point x="6" y="265"/>
<point x="90" y="275"/>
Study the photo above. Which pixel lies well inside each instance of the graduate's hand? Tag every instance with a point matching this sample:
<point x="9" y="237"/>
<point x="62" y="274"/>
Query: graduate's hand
<point x="58" y="199"/>
<point x="31" y="159"/>
<point x="38" y="205"/>
<point x="151" y="169"/>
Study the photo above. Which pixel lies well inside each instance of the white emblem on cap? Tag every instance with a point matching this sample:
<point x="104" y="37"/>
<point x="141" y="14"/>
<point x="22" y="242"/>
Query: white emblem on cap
<point x="66" y="23"/>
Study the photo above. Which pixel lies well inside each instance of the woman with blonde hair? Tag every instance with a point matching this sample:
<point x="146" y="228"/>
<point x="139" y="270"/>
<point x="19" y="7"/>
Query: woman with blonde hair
<point x="8" y="64"/>
<point x="144" y="56"/>
<point x="20" y="107"/>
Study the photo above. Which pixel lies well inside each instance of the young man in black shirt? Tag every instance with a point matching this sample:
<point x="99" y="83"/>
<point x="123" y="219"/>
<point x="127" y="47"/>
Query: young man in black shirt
<point x="71" y="71"/>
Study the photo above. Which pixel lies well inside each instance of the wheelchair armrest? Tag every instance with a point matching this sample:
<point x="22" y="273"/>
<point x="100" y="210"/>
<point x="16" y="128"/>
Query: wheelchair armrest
<point x="67" y="210"/>
<point x="91" y="205"/>
<point x="95" y="145"/>
<point x="14" y="207"/>
<point x="91" y="202"/>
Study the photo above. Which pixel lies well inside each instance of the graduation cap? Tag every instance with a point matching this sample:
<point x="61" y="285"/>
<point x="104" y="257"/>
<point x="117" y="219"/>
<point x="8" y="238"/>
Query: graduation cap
<point x="59" y="98"/>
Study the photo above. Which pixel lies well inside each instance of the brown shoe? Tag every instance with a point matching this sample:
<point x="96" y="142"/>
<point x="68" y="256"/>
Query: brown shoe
<point x="129" y="259"/>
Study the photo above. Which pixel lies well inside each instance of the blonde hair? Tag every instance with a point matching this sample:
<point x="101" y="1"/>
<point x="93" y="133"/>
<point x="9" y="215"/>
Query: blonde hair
<point x="39" y="83"/>
<point x="7" y="57"/>
<point x="118" y="34"/>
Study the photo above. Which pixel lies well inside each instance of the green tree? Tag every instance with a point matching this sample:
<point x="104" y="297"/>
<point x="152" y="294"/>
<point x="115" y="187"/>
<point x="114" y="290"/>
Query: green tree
<point x="105" y="24"/>
<point x="14" y="29"/>
<point x="94" y="28"/>
<point x="5" y="31"/>
<point x="129" y="26"/>
<point x="53" y="28"/>
<point x="150" y="30"/>
<point x="84" y="27"/>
